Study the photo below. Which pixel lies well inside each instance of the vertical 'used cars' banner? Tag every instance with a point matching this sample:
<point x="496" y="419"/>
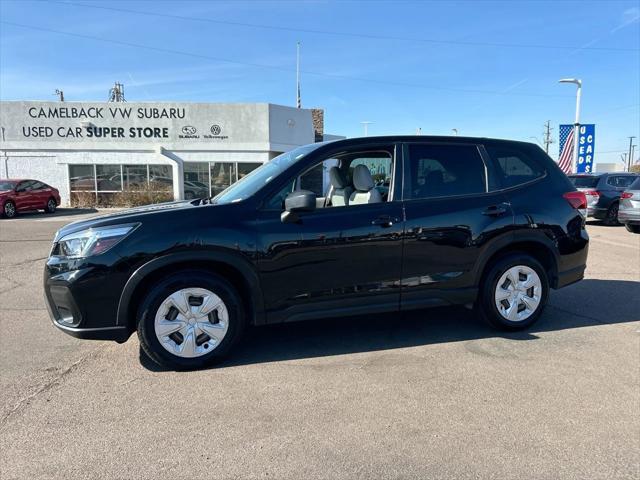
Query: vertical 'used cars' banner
<point x="586" y="145"/>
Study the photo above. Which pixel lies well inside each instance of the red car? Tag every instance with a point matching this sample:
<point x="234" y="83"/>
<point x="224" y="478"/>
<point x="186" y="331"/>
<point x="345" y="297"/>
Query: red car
<point x="22" y="195"/>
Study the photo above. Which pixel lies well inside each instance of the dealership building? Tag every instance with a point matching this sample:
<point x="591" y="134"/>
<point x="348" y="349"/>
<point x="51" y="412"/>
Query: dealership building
<point x="101" y="149"/>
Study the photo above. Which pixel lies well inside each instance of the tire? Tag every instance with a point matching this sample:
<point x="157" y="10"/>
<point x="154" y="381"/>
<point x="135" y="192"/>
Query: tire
<point x="51" y="206"/>
<point x="493" y="286"/>
<point x="611" y="217"/>
<point x="155" y="313"/>
<point x="632" y="228"/>
<point x="9" y="209"/>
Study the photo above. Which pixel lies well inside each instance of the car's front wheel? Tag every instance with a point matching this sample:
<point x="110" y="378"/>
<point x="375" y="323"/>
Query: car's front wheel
<point x="9" y="209"/>
<point x="514" y="292"/>
<point x="632" y="228"/>
<point x="192" y="319"/>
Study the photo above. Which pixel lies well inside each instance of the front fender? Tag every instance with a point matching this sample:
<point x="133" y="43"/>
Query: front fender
<point x="229" y="258"/>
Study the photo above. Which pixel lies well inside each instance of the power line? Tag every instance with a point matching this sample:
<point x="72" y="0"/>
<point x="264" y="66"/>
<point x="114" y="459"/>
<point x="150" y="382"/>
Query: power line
<point x="282" y="69"/>
<point x="345" y="34"/>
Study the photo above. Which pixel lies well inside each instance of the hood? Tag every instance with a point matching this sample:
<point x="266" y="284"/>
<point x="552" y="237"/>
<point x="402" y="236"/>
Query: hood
<point x="130" y="215"/>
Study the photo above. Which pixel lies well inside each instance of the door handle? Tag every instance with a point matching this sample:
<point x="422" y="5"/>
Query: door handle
<point x="495" y="210"/>
<point x="384" y="221"/>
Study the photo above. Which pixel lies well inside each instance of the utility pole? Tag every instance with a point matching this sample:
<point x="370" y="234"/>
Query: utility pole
<point x="633" y="147"/>
<point x="116" y="94"/>
<point x="547" y="139"/>
<point x="630" y="157"/>
<point x="60" y="95"/>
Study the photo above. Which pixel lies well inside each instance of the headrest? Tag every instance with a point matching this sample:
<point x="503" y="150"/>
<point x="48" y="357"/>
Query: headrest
<point x="337" y="178"/>
<point x="435" y="176"/>
<point x="362" y="179"/>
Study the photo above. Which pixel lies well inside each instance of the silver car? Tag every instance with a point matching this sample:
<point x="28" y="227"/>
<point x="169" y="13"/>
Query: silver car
<point x="629" y="211"/>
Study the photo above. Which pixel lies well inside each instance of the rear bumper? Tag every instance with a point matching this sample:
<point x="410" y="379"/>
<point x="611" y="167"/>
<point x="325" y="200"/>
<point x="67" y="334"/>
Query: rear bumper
<point x="629" y="215"/>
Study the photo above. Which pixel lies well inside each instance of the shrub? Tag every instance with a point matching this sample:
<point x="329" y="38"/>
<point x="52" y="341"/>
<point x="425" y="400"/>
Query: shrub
<point x="142" y="195"/>
<point x="83" y="199"/>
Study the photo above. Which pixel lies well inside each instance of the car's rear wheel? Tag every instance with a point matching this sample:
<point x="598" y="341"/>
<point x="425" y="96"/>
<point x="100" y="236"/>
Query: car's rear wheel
<point x="51" y="206"/>
<point x="9" y="209"/>
<point x="514" y="292"/>
<point x="189" y="320"/>
<point x="612" y="214"/>
<point x="632" y="228"/>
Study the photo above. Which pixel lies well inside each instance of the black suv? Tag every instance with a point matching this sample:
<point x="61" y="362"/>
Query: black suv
<point x="603" y="193"/>
<point x="326" y="230"/>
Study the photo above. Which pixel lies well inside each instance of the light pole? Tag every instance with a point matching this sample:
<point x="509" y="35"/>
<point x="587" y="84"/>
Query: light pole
<point x="455" y="131"/>
<point x="576" y="125"/>
<point x="366" y="124"/>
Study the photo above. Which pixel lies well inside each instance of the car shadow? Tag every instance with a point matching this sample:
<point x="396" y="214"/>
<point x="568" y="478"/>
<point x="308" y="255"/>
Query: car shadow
<point x="579" y="305"/>
<point x="60" y="212"/>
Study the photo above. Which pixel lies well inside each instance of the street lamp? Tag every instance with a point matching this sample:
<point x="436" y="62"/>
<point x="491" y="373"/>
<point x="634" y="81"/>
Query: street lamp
<point x="576" y="125"/>
<point x="455" y="131"/>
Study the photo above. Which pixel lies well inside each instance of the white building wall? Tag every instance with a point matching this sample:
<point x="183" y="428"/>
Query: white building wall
<point x="38" y="148"/>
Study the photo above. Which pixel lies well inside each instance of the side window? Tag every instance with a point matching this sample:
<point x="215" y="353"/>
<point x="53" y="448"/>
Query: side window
<point x="516" y="166"/>
<point x="620" y="181"/>
<point x="25" y="186"/>
<point x="446" y="170"/>
<point x="38" y="186"/>
<point x="317" y="179"/>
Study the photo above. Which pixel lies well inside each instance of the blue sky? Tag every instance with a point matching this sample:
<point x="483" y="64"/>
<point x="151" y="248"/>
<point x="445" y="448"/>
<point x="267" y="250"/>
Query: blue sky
<point x="476" y="66"/>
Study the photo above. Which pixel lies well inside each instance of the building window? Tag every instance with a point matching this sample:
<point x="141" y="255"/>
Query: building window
<point x="120" y="185"/>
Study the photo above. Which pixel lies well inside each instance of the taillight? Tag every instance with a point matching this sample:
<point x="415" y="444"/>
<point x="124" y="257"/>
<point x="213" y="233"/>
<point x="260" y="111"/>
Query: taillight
<point x="592" y="193"/>
<point x="577" y="200"/>
<point x="626" y="195"/>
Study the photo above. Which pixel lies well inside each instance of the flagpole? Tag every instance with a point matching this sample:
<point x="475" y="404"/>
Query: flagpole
<point x="298" y="99"/>
<point x="576" y="124"/>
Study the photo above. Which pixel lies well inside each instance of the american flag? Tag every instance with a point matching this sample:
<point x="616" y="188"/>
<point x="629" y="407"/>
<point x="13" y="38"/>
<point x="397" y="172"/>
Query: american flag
<point x="565" y="161"/>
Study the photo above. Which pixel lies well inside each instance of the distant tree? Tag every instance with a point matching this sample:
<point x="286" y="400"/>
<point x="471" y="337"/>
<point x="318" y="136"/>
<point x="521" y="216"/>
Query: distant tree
<point x="635" y="168"/>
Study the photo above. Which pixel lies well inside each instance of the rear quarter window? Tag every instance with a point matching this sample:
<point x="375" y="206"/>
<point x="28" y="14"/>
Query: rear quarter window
<point x="515" y="166"/>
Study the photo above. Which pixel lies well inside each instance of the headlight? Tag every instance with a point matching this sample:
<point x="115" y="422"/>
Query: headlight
<point x="91" y="242"/>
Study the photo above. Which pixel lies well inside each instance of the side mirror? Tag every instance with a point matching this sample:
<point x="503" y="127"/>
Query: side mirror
<point x="297" y="202"/>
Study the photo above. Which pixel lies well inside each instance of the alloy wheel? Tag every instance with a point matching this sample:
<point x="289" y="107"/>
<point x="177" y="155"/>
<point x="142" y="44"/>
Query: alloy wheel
<point x="191" y="322"/>
<point x="9" y="210"/>
<point x="518" y="293"/>
<point x="51" y="205"/>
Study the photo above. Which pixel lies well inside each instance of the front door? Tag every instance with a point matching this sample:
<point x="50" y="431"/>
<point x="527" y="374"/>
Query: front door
<point x="338" y="260"/>
<point x="23" y="196"/>
<point x="450" y="212"/>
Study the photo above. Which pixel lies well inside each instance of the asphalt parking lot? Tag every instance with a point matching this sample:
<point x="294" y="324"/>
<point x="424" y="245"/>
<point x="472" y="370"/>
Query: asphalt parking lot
<point x="431" y="394"/>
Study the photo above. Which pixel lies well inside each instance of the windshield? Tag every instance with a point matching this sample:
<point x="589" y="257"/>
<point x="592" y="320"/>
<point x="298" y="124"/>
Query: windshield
<point x="584" y="182"/>
<point x="635" y="185"/>
<point x="254" y="181"/>
<point x="6" y="186"/>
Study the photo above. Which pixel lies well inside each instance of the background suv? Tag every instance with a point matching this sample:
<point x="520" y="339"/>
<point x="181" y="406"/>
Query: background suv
<point x="603" y="193"/>
<point x="310" y="235"/>
<point x="23" y="195"/>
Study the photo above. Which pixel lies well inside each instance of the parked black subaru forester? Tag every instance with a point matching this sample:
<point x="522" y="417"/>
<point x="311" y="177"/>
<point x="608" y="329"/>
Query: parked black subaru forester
<point x="331" y="229"/>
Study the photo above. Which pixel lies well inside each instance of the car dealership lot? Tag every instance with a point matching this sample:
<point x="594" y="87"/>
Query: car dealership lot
<point x="428" y="394"/>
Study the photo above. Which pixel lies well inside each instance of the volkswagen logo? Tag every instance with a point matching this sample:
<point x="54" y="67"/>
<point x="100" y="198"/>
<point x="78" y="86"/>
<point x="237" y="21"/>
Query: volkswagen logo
<point x="215" y="129"/>
<point x="189" y="130"/>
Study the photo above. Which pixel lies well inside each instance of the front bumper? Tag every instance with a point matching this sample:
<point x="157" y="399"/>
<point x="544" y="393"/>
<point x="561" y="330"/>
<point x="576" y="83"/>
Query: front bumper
<point x="83" y="303"/>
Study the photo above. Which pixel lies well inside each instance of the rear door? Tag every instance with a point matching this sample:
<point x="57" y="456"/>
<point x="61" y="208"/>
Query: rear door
<point x="451" y="211"/>
<point x="41" y="194"/>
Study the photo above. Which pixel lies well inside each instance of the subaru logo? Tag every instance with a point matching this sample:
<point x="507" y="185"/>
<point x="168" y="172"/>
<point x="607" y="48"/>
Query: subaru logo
<point x="189" y="130"/>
